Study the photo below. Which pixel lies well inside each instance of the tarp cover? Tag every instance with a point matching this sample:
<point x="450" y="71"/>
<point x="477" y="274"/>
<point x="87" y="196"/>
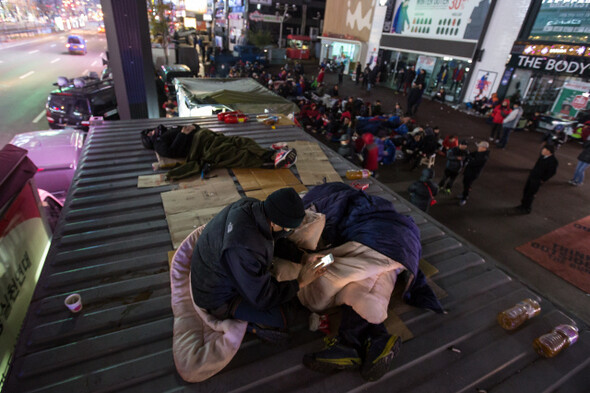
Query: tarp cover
<point x="244" y="94"/>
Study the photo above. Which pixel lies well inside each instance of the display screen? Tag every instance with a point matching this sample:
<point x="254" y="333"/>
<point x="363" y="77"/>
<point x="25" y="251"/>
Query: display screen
<point x="562" y="21"/>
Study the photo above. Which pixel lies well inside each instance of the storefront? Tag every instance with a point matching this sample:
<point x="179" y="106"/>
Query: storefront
<point x="440" y="37"/>
<point x="549" y="69"/>
<point x="343" y="51"/>
<point x="547" y="78"/>
<point x="441" y="71"/>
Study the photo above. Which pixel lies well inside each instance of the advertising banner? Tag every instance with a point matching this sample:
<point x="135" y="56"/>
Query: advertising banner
<point x="23" y="243"/>
<point x="483" y="85"/>
<point x="426" y="63"/>
<point x="455" y="20"/>
<point x="349" y="20"/>
<point x="572" y="98"/>
<point x="568" y="65"/>
<point x="562" y="21"/>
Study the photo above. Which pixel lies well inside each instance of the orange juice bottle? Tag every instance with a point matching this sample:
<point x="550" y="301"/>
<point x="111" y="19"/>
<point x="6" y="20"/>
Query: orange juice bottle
<point x="550" y="344"/>
<point x="354" y="174"/>
<point x="515" y="316"/>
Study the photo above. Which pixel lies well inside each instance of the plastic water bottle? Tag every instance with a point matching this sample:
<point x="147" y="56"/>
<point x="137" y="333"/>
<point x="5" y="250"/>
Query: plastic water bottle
<point x="515" y="316"/>
<point x="354" y="174"/>
<point x="550" y="344"/>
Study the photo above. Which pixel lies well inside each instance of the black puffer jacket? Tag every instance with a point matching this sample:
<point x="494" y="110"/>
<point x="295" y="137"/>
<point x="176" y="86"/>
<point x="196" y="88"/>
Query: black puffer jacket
<point x="585" y="154"/>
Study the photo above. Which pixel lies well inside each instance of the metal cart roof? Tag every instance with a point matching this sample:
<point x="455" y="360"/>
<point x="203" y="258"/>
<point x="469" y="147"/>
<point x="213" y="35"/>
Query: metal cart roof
<point x="111" y="246"/>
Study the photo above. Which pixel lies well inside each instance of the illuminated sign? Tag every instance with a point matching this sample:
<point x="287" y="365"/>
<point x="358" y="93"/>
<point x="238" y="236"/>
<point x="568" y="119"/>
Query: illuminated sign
<point x="573" y="66"/>
<point x="562" y="21"/>
<point x="556" y="50"/>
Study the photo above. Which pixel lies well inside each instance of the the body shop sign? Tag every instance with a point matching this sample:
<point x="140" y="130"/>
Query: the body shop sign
<point x="573" y="66"/>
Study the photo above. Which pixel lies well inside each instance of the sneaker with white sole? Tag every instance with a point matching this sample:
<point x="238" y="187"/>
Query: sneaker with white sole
<point x="285" y="158"/>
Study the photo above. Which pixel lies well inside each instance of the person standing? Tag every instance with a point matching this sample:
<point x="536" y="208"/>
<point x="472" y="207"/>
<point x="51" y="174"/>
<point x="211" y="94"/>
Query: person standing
<point x="544" y="169"/>
<point x="509" y="123"/>
<point x="474" y="165"/>
<point x="320" y="77"/>
<point x="423" y="191"/>
<point x="498" y="115"/>
<point x="358" y="73"/>
<point x="583" y="164"/>
<point x="455" y="160"/>
<point x="409" y="76"/>
<point x="414" y="99"/>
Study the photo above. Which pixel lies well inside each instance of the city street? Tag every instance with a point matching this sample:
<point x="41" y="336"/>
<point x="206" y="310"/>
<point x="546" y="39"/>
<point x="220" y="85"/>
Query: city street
<point x="28" y="69"/>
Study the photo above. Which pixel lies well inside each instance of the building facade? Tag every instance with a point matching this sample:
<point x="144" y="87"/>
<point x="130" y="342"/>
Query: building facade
<point x="549" y="63"/>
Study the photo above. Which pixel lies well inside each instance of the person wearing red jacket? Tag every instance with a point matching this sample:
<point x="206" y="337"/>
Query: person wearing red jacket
<point x="370" y="153"/>
<point x="498" y="115"/>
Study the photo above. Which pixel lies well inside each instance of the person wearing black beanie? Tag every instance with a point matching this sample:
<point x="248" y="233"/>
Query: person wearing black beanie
<point x="230" y="265"/>
<point x="544" y="169"/>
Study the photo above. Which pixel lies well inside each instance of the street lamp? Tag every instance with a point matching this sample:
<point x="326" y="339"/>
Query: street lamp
<point x="284" y="8"/>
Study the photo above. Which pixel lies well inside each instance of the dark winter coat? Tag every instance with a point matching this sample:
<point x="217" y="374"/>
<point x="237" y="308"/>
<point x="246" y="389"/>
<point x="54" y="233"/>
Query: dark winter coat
<point x="232" y="259"/>
<point x="544" y="168"/>
<point x="585" y="154"/>
<point x="475" y="163"/>
<point x="456" y="159"/>
<point x="420" y="195"/>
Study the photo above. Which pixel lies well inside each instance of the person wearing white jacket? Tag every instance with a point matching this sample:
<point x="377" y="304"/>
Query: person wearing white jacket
<point x="510" y="123"/>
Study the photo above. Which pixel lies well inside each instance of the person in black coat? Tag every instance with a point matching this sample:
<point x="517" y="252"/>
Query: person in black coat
<point x="230" y="264"/>
<point x="544" y="169"/>
<point x="414" y="99"/>
<point x="475" y="162"/>
<point x="423" y="191"/>
<point x="409" y="76"/>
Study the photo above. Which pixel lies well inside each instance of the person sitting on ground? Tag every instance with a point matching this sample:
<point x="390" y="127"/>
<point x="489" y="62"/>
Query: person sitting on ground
<point x="412" y="147"/>
<point x="532" y="122"/>
<point x="377" y="110"/>
<point x="555" y="137"/>
<point x="423" y="191"/>
<point x="170" y="107"/>
<point x="204" y="150"/>
<point x="440" y="95"/>
<point x="345" y="149"/>
<point x="230" y="265"/>
<point x="398" y="110"/>
<point x="335" y="91"/>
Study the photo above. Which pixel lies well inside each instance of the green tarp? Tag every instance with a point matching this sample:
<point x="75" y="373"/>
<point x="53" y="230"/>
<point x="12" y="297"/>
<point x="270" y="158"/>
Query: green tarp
<point x="244" y="94"/>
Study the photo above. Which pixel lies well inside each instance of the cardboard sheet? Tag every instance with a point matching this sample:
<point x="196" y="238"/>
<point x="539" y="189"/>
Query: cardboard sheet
<point x="258" y="179"/>
<point x="312" y="164"/>
<point x="183" y="223"/>
<point x="210" y="194"/>
<point x="315" y="172"/>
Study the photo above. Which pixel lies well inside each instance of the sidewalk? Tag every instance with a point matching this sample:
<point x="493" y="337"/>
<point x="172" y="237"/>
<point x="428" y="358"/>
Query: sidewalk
<point x="486" y="221"/>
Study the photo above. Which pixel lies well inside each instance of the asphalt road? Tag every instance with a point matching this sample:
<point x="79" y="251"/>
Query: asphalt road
<point x="28" y="69"/>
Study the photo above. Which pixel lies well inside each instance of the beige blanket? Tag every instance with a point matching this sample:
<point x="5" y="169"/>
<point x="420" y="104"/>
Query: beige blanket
<point x="202" y="345"/>
<point x="359" y="277"/>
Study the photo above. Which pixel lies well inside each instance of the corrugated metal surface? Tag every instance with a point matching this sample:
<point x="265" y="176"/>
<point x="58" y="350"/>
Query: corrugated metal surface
<point x="111" y="246"/>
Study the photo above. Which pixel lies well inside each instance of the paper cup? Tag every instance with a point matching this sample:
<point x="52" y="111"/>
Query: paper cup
<point x="74" y="302"/>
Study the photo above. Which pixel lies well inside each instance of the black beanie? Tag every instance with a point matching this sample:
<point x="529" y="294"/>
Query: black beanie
<point x="284" y="207"/>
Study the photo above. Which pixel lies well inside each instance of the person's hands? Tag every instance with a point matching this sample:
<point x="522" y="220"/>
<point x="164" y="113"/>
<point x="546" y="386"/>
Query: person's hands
<point x="308" y="271"/>
<point x="187" y="129"/>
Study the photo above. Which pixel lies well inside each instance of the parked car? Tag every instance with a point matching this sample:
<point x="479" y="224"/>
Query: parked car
<point x="77" y="100"/>
<point x="76" y="44"/>
<point x="166" y="74"/>
<point x="56" y="154"/>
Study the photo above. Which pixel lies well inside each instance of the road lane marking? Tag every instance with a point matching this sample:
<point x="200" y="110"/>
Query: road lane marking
<point x="39" y="116"/>
<point x="33" y="51"/>
<point x="94" y="63"/>
<point x="55" y="60"/>
<point x="26" y="75"/>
